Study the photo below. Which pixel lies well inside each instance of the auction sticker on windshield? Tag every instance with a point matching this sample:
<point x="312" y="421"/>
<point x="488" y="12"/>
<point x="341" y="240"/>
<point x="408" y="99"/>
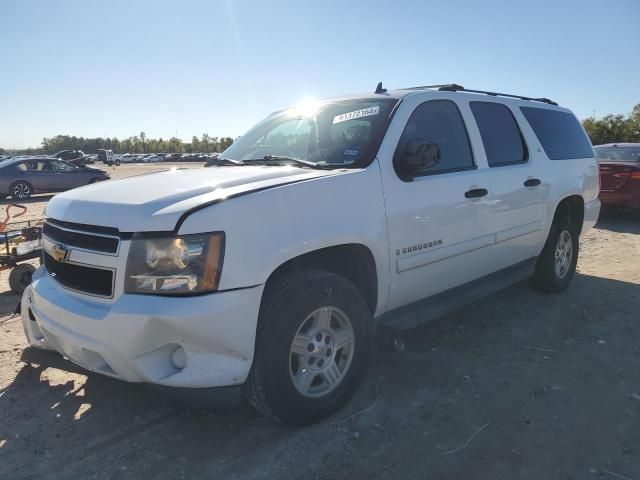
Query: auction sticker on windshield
<point x="365" y="112"/>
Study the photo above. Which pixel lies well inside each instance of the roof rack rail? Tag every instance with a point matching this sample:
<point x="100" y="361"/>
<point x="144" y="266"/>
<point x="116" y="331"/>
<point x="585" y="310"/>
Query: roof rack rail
<point x="452" y="87"/>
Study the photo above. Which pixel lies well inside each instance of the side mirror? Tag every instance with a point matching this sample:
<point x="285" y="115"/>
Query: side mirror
<point x="419" y="155"/>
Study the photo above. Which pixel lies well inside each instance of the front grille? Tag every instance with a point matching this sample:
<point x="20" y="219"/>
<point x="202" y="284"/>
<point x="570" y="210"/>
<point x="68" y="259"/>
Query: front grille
<point x="95" y="281"/>
<point x="85" y="241"/>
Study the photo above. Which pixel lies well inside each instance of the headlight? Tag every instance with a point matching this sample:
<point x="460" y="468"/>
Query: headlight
<point x="175" y="265"/>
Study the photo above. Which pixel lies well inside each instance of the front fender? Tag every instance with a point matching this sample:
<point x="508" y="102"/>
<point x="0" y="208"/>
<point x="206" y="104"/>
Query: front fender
<point x="267" y="228"/>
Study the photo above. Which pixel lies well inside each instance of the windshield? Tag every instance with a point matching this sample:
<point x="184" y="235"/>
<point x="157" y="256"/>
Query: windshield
<point x="339" y="133"/>
<point x="618" y="154"/>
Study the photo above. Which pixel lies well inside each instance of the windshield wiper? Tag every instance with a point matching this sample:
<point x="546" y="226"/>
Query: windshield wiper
<point x="284" y="159"/>
<point x="224" y="161"/>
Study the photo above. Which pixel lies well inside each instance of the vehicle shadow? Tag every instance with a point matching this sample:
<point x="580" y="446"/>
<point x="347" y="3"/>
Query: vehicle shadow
<point x="8" y="305"/>
<point x="511" y="362"/>
<point x="619" y="220"/>
<point x="44" y="197"/>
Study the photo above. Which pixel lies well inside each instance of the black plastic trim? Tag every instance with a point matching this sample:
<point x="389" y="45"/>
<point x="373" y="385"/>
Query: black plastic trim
<point x="85" y="228"/>
<point x="430" y="308"/>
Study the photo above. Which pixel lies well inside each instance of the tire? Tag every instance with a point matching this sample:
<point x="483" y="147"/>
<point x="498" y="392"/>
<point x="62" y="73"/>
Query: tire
<point x="118" y="162"/>
<point x="285" y="315"/>
<point x="20" y="277"/>
<point x="548" y="277"/>
<point x="21" y="190"/>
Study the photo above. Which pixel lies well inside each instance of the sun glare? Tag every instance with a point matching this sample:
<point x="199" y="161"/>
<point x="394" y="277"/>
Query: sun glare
<point x="306" y="107"/>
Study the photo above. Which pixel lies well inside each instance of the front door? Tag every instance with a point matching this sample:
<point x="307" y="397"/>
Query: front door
<point x="438" y="220"/>
<point x="65" y="176"/>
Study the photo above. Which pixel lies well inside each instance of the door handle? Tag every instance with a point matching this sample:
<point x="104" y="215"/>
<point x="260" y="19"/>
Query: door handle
<point x="532" y="182"/>
<point x="476" y="192"/>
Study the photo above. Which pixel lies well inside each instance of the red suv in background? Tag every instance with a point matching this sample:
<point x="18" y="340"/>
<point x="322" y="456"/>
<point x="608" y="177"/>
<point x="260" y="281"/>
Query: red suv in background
<point x="619" y="174"/>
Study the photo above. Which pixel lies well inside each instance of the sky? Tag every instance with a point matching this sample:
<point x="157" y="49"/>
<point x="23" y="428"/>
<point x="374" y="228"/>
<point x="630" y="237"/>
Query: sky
<point x="118" y="67"/>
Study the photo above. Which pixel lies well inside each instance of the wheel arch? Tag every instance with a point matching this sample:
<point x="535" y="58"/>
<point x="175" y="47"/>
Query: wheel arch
<point x="572" y="208"/>
<point x="353" y="261"/>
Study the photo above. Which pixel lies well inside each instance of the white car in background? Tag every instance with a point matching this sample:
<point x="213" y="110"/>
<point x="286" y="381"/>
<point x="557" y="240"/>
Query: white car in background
<point x="268" y="272"/>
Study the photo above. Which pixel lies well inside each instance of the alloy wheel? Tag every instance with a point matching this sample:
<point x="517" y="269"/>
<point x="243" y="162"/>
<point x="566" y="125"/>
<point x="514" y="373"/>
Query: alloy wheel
<point x="21" y="190"/>
<point x="321" y="352"/>
<point x="563" y="254"/>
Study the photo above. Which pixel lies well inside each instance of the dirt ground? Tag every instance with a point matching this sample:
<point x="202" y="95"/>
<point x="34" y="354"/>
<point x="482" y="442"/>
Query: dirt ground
<point x="520" y="385"/>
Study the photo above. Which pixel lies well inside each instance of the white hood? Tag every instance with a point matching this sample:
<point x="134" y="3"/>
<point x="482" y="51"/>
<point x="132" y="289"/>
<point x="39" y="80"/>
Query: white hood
<point x="155" y="202"/>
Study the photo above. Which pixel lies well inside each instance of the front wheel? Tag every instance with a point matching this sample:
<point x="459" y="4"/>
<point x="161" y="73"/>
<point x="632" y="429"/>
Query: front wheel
<point x="557" y="263"/>
<point x="21" y="190"/>
<point x="311" y="347"/>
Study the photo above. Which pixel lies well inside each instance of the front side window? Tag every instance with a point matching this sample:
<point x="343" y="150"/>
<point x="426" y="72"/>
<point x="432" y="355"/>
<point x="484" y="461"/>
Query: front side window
<point x="501" y="137"/>
<point x="560" y="133"/>
<point x="436" y="127"/>
<point x="337" y="133"/>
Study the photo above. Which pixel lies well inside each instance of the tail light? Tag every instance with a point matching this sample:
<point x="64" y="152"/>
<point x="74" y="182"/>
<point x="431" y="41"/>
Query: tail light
<point x="635" y="175"/>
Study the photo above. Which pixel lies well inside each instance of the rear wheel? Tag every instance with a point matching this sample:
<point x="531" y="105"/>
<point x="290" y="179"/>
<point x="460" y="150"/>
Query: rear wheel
<point x="20" y="277"/>
<point x="21" y="190"/>
<point x="311" y="348"/>
<point x="557" y="263"/>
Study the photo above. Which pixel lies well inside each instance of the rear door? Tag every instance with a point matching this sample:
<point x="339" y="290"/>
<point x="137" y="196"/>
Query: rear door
<point x="38" y="174"/>
<point x="439" y="221"/>
<point x="518" y="185"/>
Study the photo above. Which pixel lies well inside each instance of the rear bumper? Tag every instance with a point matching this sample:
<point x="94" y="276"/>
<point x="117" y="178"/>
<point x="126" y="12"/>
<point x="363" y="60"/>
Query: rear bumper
<point x="192" y="342"/>
<point x="591" y="214"/>
<point x="617" y="199"/>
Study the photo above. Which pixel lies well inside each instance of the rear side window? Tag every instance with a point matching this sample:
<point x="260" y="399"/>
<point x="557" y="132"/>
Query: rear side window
<point x="439" y="122"/>
<point x="618" y="154"/>
<point x="559" y="133"/>
<point x="503" y="142"/>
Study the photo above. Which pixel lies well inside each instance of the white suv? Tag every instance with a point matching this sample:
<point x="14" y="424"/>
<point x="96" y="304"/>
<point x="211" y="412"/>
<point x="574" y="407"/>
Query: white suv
<point x="268" y="272"/>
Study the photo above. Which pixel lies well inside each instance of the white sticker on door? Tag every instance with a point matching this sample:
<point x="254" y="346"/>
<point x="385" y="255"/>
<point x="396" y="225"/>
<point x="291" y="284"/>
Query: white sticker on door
<point x="365" y="112"/>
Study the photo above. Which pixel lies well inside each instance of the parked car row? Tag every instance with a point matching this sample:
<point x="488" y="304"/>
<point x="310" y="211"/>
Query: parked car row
<point x="24" y="175"/>
<point x="164" y="157"/>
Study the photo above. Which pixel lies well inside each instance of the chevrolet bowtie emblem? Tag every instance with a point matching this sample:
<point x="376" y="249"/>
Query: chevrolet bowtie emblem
<point x="60" y="253"/>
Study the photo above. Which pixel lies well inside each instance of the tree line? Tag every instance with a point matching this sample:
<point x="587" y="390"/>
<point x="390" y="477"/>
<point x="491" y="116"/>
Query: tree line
<point x="614" y="128"/>
<point x="135" y="144"/>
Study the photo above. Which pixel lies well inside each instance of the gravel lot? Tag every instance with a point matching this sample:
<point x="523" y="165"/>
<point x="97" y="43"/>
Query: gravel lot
<point x="518" y="386"/>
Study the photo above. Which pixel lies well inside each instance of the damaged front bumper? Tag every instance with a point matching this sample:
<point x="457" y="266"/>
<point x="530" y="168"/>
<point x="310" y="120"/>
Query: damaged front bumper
<point x="189" y="342"/>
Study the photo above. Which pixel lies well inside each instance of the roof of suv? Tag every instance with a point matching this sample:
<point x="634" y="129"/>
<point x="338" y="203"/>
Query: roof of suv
<point x="400" y="93"/>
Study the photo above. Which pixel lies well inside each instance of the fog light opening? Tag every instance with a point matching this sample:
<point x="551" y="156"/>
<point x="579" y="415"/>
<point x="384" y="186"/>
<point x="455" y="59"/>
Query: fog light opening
<point x="179" y="358"/>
